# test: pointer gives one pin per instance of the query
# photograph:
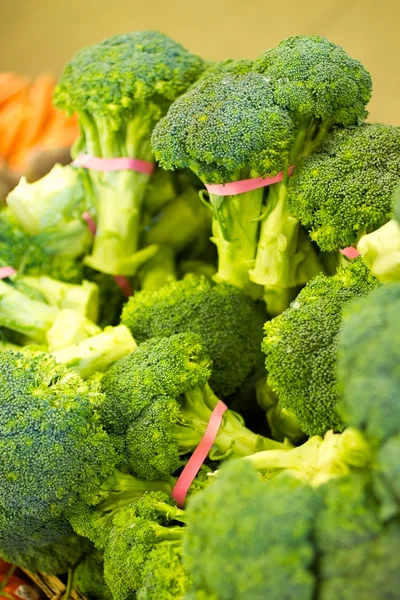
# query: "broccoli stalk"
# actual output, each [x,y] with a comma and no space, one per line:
[97,352]
[70,328]
[119,89]
[158,271]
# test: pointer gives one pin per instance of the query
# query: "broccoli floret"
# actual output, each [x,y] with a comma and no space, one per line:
[164,577]
[225,128]
[138,529]
[89,577]
[368,364]
[301,346]
[320,86]
[119,89]
[159,400]
[27,254]
[54,449]
[246,538]
[229,323]
[51,208]
[344,189]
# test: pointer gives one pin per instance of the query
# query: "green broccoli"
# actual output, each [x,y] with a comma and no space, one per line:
[27,254]
[158,399]
[228,127]
[51,210]
[344,190]
[319,85]
[164,577]
[368,364]
[229,323]
[69,328]
[54,449]
[119,89]
[158,271]
[89,577]
[138,530]
[380,250]
[246,538]
[301,345]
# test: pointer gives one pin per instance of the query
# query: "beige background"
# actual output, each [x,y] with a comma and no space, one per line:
[43,34]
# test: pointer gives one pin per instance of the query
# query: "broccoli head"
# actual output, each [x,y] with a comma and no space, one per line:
[89,577]
[229,323]
[119,89]
[54,449]
[368,364]
[301,346]
[345,188]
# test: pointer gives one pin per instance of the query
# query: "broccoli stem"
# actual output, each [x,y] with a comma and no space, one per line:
[278,299]
[70,328]
[235,233]
[276,261]
[159,270]
[171,534]
[233,438]
[97,352]
[20,313]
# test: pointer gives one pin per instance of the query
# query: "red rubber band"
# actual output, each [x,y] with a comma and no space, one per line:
[121,163]
[199,455]
[121,281]
[232,188]
[350,252]
[7,272]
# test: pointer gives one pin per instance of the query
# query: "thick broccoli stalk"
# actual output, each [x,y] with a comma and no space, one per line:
[55,451]
[51,209]
[159,270]
[119,89]
[344,190]
[158,401]
[98,352]
[226,128]
[70,328]
[301,346]
[302,69]
[229,323]
[20,313]
[138,530]
[83,298]
[380,249]
[30,255]
[368,364]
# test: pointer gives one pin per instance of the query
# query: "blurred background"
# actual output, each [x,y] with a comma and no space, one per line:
[43,34]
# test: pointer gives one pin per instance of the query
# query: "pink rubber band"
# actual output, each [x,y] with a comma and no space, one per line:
[7,272]
[232,188]
[121,281]
[350,252]
[199,455]
[121,163]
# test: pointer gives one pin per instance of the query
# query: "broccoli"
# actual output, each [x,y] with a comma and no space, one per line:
[246,538]
[159,401]
[344,189]
[380,249]
[228,127]
[53,447]
[138,530]
[159,270]
[119,89]
[50,209]
[320,86]
[89,577]
[229,323]
[301,345]
[368,364]
[69,328]
[28,255]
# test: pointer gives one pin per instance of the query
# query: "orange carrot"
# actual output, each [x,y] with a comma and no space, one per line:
[10,87]
[11,120]
[39,109]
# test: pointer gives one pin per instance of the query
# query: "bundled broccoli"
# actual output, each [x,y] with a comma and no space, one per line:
[119,89]
[301,345]
[159,401]
[229,323]
[344,189]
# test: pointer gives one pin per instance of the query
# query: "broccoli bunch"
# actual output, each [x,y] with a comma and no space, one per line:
[119,89]
[344,189]
[301,346]
[144,537]
[229,323]
[158,401]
